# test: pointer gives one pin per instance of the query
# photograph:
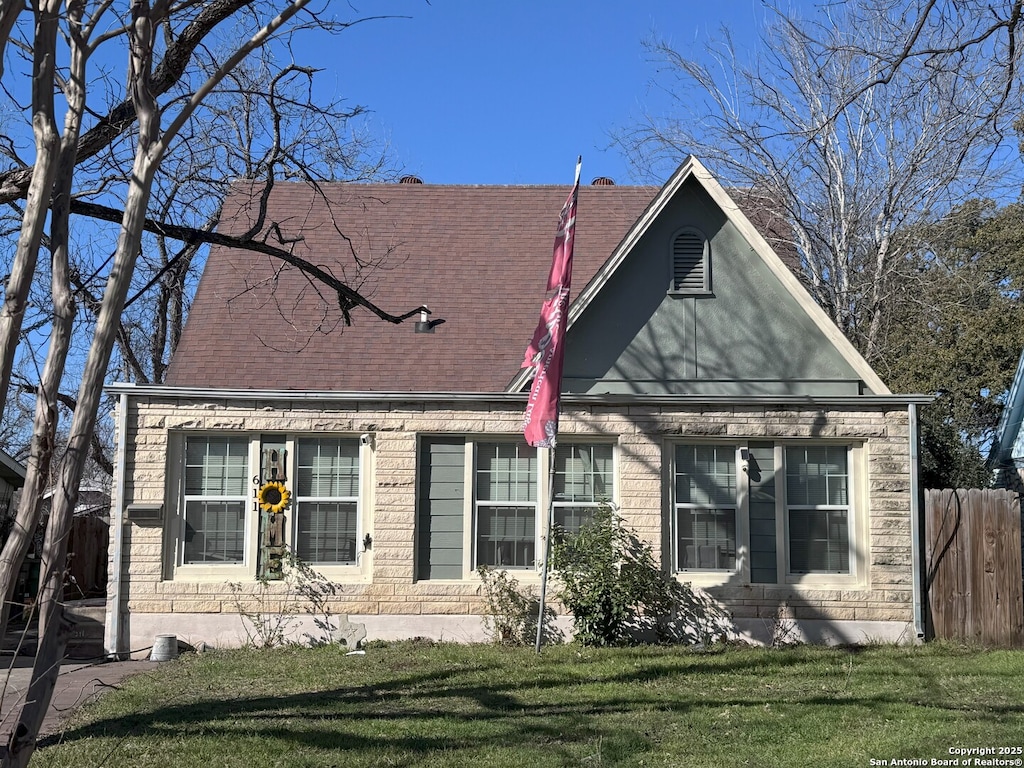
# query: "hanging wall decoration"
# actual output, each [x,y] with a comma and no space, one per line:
[274,497]
[271,498]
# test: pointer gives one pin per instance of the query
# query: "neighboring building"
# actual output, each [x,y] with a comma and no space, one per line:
[12,477]
[86,575]
[706,396]
[1006,458]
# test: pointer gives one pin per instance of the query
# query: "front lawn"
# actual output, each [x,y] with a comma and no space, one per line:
[417,704]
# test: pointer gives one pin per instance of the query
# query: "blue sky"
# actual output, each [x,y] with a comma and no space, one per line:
[510,92]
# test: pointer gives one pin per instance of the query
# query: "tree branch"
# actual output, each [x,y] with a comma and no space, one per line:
[348,298]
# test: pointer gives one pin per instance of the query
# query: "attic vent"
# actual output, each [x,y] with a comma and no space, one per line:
[602,181]
[690,263]
[410,180]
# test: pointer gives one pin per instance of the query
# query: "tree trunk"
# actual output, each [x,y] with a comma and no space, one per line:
[9,10]
[53,627]
[36,207]
[45,420]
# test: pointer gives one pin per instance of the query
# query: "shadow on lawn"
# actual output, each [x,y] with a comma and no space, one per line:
[507,711]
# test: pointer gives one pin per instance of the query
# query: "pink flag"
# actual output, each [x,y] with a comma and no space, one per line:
[547,350]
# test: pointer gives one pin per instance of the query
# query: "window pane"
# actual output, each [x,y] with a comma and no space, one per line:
[214,531]
[506,536]
[328,468]
[706,474]
[571,519]
[583,473]
[506,472]
[326,532]
[817,476]
[819,541]
[706,539]
[216,466]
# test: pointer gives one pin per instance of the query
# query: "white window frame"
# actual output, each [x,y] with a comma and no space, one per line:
[469,527]
[187,498]
[595,503]
[292,528]
[825,508]
[857,519]
[677,507]
[174,566]
[477,503]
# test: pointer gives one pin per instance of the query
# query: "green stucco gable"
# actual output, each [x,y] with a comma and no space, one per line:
[749,335]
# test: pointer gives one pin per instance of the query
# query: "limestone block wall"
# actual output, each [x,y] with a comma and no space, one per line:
[384,583]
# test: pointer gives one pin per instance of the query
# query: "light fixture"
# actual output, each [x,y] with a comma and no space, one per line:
[424,324]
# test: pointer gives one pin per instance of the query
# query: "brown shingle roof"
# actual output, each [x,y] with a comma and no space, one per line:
[477,256]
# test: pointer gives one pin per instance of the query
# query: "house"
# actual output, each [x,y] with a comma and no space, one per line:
[707,397]
[1006,456]
[86,575]
[12,477]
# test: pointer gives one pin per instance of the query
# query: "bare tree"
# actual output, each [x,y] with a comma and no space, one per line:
[942,36]
[843,147]
[164,91]
[268,126]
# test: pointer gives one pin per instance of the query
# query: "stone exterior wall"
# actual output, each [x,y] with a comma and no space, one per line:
[642,432]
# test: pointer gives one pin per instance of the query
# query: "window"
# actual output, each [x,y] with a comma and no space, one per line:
[705,505]
[327,495]
[216,478]
[768,512]
[818,509]
[506,505]
[220,523]
[690,263]
[583,479]
[485,502]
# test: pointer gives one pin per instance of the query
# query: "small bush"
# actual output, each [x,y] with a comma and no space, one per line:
[512,610]
[269,623]
[611,582]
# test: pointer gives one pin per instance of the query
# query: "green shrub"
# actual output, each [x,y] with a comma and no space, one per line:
[610,581]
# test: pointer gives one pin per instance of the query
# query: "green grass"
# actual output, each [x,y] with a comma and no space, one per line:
[412,704]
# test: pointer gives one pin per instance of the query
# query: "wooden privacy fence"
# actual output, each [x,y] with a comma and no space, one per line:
[87,564]
[973,574]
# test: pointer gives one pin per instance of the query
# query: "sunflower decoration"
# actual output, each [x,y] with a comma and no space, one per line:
[274,497]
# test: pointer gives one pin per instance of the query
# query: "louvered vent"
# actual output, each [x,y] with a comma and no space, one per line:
[688,263]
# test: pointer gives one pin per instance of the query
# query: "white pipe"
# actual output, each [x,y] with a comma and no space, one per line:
[112,625]
[915,520]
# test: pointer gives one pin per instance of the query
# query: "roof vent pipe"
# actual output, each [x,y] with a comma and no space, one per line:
[423,325]
[602,181]
[410,179]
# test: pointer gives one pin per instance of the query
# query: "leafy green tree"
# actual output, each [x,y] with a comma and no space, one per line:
[955,328]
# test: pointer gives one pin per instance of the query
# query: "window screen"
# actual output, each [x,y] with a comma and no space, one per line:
[506,505]
[327,493]
[583,479]
[818,509]
[705,507]
[216,474]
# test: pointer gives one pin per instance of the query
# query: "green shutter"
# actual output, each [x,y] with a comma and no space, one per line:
[761,472]
[441,513]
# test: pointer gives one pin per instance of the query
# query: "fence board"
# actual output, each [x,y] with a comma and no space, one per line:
[973,566]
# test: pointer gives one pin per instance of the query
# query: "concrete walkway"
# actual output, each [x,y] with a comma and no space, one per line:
[77,684]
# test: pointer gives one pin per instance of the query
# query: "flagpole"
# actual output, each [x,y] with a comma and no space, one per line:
[549,526]
[547,548]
